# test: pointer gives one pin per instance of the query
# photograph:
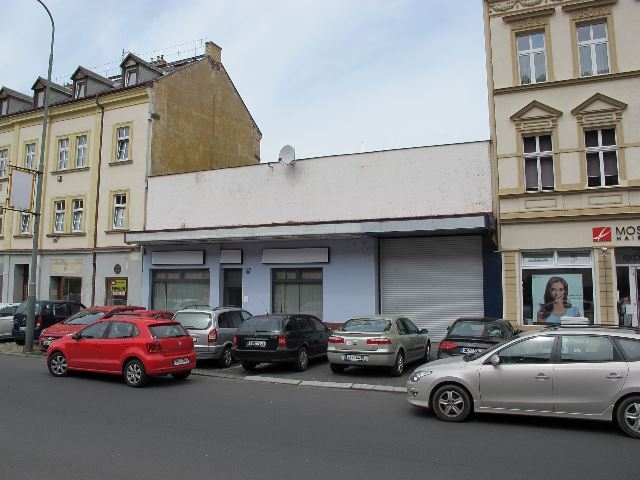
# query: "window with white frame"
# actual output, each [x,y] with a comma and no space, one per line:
[25,223]
[602,157]
[63,154]
[81,89]
[81,151]
[532,62]
[30,156]
[59,214]
[593,49]
[78,213]
[122,152]
[4,162]
[119,210]
[1,220]
[39,98]
[130,76]
[4,106]
[538,163]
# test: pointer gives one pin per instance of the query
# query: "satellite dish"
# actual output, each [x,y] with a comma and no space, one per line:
[287,155]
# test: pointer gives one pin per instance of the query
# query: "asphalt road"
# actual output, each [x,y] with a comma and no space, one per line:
[95,427]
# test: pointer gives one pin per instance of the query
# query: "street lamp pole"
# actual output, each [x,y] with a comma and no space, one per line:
[31,299]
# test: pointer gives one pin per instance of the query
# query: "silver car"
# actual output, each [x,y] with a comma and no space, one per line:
[571,372]
[6,319]
[212,330]
[378,340]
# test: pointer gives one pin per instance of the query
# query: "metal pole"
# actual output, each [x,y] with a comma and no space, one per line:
[31,299]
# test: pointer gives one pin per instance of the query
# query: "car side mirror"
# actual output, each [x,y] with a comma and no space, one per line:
[494,360]
[424,331]
[76,336]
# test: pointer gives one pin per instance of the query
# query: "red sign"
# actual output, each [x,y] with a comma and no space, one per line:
[601,234]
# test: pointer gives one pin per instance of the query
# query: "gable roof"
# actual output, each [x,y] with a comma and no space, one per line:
[88,73]
[15,94]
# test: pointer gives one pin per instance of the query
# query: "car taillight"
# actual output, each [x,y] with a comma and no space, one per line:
[235,341]
[447,345]
[213,336]
[154,347]
[378,341]
[282,341]
[38,322]
[333,339]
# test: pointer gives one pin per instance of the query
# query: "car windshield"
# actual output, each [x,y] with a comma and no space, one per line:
[22,308]
[194,320]
[8,310]
[372,325]
[84,317]
[167,330]
[477,328]
[261,324]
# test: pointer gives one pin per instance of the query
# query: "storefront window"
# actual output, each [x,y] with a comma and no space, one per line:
[297,291]
[175,289]
[556,285]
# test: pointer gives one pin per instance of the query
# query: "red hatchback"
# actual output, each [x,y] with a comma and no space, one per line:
[135,347]
[81,319]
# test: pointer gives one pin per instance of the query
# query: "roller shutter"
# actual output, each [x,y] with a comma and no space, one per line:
[432,280]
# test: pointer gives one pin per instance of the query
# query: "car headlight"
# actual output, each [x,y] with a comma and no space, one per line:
[418,375]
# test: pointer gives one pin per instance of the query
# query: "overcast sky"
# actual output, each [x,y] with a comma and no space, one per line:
[326,76]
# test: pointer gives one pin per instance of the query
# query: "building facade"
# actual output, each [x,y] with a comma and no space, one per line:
[406,231]
[105,136]
[564,77]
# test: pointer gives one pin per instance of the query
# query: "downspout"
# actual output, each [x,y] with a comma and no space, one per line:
[97,205]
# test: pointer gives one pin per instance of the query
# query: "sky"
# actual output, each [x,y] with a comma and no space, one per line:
[328,77]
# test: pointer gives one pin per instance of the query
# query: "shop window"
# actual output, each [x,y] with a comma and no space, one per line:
[175,289]
[65,288]
[556,285]
[117,291]
[297,291]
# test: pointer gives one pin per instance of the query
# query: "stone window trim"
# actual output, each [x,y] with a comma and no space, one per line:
[5,160]
[119,210]
[115,144]
[69,202]
[589,13]
[72,153]
[26,153]
[529,23]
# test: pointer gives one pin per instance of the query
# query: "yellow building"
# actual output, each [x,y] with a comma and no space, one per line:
[105,137]
[564,77]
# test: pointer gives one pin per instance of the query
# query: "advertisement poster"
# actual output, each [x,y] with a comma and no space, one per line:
[555,296]
[119,287]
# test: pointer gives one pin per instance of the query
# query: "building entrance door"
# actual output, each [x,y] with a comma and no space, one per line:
[631,311]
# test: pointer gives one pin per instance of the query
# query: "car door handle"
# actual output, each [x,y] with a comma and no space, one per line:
[542,376]
[614,376]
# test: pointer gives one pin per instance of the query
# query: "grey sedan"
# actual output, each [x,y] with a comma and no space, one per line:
[378,340]
[6,319]
[570,372]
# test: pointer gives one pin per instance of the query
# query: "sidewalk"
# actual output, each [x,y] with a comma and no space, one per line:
[317,375]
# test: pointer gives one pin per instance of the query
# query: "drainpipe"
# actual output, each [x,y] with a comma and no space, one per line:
[97,205]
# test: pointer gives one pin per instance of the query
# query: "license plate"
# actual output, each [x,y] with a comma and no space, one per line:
[256,343]
[46,343]
[195,339]
[23,329]
[470,350]
[181,361]
[355,358]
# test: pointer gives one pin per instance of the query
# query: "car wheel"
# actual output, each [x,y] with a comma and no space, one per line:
[628,416]
[57,364]
[337,368]
[225,359]
[181,375]
[451,403]
[249,366]
[134,373]
[302,360]
[427,354]
[398,365]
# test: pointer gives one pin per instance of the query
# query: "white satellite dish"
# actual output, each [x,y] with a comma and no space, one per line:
[287,155]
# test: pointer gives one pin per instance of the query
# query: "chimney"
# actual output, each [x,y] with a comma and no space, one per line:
[159,62]
[213,51]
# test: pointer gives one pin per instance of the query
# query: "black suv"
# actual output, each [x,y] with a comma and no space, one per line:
[47,313]
[291,338]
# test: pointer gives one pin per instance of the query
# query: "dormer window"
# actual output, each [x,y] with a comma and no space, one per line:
[4,106]
[39,98]
[80,90]
[130,76]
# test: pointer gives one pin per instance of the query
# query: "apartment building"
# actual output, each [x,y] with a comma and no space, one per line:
[564,77]
[105,137]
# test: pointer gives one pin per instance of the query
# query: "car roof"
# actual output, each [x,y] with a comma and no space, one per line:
[141,320]
[207,308]
[378,317]
[591,330]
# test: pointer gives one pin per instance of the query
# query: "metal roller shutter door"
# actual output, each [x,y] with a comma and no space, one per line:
[432,280]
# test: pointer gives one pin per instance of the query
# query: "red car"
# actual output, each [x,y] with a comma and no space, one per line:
[81,319]
[135,347]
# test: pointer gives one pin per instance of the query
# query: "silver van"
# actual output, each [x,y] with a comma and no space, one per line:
[212,330]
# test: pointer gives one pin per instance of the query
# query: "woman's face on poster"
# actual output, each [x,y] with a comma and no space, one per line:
[557,291]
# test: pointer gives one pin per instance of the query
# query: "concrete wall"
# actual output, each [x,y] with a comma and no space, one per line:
[415,182]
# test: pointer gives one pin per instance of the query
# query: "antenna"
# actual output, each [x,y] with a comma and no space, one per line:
[287,155]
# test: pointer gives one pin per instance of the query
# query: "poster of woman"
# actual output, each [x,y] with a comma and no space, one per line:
[557,296]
